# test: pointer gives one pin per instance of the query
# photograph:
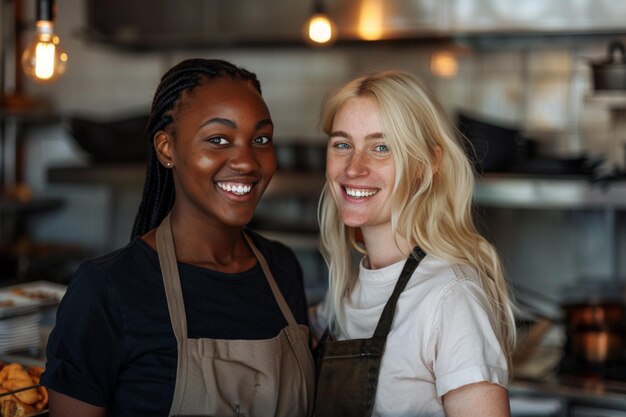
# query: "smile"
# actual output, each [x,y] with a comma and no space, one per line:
[360,193]
[235,188]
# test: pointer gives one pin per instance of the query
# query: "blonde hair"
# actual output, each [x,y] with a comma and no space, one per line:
[432,211]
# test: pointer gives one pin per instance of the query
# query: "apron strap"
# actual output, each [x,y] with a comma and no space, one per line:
[171,279]
[173,290]
[284,307]
[384,324]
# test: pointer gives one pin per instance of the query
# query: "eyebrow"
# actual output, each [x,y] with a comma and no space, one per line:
[263,123]
[233,125]
[221,121]
[342,134]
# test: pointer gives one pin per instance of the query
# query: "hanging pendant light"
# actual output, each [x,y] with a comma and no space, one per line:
[319,28]
[44,60]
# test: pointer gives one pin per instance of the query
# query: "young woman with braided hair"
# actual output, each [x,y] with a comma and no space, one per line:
[196,315]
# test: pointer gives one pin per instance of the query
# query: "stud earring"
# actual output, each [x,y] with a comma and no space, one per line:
[168,164]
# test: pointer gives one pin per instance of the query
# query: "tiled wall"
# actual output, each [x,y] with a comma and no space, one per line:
[541,85]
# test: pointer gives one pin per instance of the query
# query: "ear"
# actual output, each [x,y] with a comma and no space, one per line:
[437,152]
[162,142]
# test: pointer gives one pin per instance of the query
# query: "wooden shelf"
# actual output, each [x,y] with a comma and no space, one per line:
[122,175]
[8,206]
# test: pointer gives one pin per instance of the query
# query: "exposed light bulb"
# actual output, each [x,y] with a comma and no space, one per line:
[44,60]
[444,64]
[320,29]
[371,20]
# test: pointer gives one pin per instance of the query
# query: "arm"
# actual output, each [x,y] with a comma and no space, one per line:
[482,399]
[63,406]
[84,348]
[470,365]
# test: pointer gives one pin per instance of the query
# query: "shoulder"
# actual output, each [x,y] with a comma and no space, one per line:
[135,252]
[443,279]
[279,256]
[443,293]
[133,260]
[107,273]
[455,299]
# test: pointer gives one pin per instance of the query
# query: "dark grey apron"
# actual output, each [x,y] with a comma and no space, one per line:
[348,369]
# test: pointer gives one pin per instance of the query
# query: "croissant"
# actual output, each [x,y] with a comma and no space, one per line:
[24,403]
[14,408]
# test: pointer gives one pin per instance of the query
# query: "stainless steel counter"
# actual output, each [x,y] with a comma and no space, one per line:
[568,397]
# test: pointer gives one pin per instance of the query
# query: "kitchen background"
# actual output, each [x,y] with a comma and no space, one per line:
[523,65]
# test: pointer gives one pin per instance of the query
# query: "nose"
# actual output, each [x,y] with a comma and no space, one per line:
[357,164]
[244,160]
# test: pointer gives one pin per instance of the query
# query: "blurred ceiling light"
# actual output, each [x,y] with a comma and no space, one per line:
[319,28]
[44,60]
[444,64]
[371,20]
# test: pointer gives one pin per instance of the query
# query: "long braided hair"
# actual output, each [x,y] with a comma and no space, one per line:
[158,191]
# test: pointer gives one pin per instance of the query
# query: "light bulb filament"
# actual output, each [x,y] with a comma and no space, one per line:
[44,60]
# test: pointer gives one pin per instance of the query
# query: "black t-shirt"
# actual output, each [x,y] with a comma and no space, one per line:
[113,345]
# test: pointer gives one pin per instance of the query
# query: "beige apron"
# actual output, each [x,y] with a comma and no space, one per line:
[246,378]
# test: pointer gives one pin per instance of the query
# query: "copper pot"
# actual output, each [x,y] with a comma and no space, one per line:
[596,346]
[595,331]
[603,314]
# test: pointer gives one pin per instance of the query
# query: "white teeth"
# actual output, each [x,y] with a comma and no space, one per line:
[239,189]
[352,192]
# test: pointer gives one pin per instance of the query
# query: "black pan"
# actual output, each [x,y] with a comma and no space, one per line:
[110,141]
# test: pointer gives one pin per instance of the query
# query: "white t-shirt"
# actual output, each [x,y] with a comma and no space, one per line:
[441,337]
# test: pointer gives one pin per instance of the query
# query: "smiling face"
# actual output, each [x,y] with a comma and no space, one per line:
[360,168]
[221,151]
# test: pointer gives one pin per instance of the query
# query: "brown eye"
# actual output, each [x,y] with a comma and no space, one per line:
[218,140]
[261,140]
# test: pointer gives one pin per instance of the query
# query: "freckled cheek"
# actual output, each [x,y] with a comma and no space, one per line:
[334,168]
[333,175]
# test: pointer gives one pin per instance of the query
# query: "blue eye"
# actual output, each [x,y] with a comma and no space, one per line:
[261,140]
[218,140]
[341,145]
[381,148]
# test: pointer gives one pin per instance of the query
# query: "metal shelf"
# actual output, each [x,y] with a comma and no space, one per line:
[495,190]
[549,192]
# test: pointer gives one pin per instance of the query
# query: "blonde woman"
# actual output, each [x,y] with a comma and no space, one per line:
[423,324]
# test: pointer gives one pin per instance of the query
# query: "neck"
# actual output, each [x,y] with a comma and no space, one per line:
[382,249]
[205,245]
